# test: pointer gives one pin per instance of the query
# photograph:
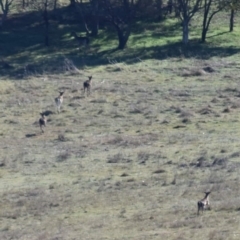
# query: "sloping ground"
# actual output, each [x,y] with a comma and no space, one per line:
[23,51]
[128,162]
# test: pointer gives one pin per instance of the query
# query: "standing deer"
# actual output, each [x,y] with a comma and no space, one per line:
[42,121]
[202,204]
[87,85]
[59,100]
[82,41]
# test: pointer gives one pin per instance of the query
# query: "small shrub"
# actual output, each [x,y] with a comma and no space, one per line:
[63,156]
[209,69]
[159,171]
[186,120]
[135,110]
[61,137]
[115,158]
[235,155]
[114,140]
[226,110]
[222,161]
[206,110]
[193,72]
[11,121]
[174,181]
[100,100]
[118,158]
[124,175]
[143,156]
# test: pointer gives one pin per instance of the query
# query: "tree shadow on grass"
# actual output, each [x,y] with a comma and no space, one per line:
[218,34]
[193,50]
[28,55]
[172,50]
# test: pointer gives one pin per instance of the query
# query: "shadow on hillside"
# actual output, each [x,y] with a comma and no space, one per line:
[193,50]
[62,55]
[172,50]
[129,56]
[218,34]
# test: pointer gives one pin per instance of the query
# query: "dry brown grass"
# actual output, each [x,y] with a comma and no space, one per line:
[128,162]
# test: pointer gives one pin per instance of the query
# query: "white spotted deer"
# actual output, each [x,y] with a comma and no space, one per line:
[42,122]
[59,101]
[202,204]
[87,85]
[82,41]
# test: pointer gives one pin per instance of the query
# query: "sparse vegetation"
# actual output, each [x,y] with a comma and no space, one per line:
[131,160]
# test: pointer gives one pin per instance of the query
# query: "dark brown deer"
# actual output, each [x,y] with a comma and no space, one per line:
[82,41]
[59,100]
[87,85]
[42,121]
[202,204]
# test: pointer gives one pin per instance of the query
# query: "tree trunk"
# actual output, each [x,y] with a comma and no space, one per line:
[170,6]
[231,20]
[55,5]
[72,3]
[5,10]
[95,26]
[95,18]
[122,38]
[208,18]
[185,31]
[204,25]
[4,18]
[204,34]
[46,36]
[176,9]
[159,8]
[46,22]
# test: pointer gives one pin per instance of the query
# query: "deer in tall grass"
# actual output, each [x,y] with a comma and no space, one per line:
[82,41]
[59,100]
[202,204]
[42,121]
[87,85]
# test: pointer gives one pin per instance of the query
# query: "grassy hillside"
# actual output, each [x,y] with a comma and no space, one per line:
[22,43]
[131,160]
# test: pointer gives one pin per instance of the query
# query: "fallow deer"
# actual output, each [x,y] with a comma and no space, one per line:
[59,100]
[42,121]
[202,204]
[82,41]
[87,85]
